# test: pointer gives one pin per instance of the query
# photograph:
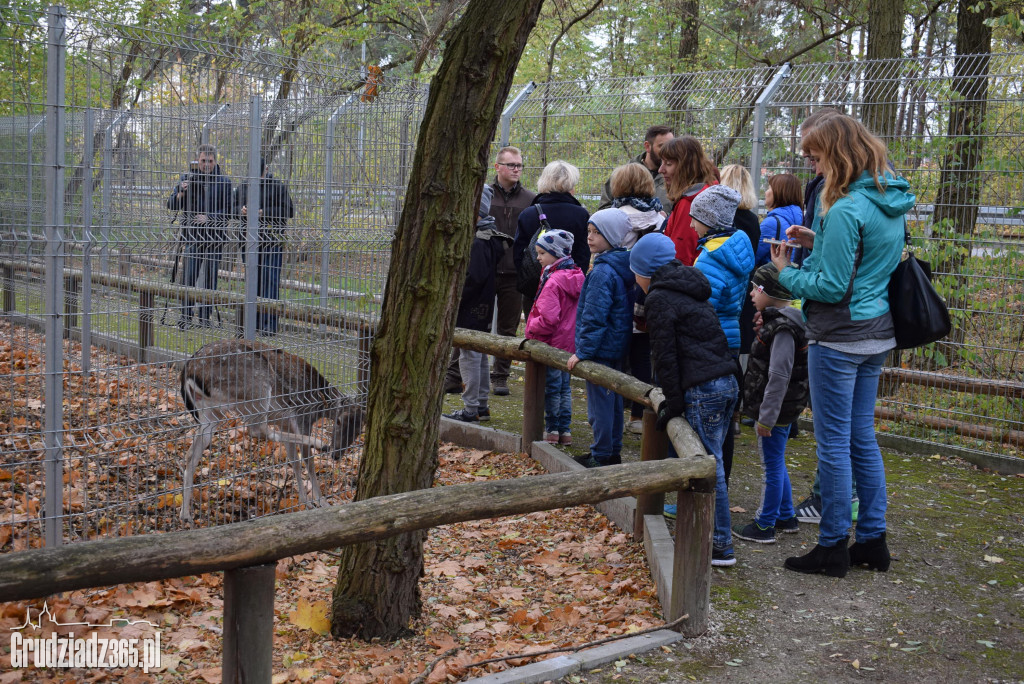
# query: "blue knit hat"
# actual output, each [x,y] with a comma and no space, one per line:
[650,253]
[558,243]
[613,224]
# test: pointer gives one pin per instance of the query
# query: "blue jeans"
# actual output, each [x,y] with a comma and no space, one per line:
[709,409]
[776,494]
[604,413]
[268,282]
[843,391]
[557,401]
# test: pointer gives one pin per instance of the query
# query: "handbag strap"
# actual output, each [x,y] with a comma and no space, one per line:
[778,227]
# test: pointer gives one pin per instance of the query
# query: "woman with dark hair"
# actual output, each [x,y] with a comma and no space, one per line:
[844,287]
[687,172]
[783,198]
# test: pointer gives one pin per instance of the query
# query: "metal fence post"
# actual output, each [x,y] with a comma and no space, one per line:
[510,110]
[108,163]
[757,139]
[53,415]
[86,284]
[328,210]
[252,225]
[29,220]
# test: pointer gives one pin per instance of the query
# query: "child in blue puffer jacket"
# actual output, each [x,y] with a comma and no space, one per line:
[604,324]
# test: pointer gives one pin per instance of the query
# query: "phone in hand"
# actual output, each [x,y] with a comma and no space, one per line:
[785,243]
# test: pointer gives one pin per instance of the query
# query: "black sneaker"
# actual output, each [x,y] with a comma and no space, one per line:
[500,388]
[722,558]
[755,533]
[587,461]
[809,510]
[464,415]
[483,413]
[789,525]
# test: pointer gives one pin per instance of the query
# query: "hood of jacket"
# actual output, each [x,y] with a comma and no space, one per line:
[895,201]
[793,314]
[555,198]
[730,251]
[685,279]
[618,259]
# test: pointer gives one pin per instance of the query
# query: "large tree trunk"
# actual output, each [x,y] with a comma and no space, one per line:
[956,201]
[377,594]
[688,12]
[881,87]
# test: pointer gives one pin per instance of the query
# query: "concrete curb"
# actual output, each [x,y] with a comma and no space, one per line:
[478,436]
[555,668]
[660,551]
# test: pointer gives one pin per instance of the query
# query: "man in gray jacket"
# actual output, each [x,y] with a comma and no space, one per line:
[654,140]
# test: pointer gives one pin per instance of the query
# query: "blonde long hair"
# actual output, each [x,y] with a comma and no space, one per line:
[846,149]
[738,178]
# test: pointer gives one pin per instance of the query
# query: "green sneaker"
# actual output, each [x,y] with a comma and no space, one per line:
[854,506]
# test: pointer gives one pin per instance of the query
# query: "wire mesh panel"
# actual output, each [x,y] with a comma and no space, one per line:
[211,195]
[954,128]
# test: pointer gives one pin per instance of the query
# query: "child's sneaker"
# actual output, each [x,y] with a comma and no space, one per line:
[565,438]
[463,415]
[809,510]
[789,525]
[483,413]
[722,557]
[670,511]
[854,509]
[551,437]
[755,533]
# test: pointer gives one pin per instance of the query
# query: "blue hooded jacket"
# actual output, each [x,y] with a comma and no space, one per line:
[727,260]
[789,215]
[845,281]
[604,318]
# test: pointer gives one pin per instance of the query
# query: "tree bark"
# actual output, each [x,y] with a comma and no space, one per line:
[881,87]
[377,594]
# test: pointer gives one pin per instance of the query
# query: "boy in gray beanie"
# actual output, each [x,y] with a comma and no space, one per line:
[604,325]
[715,208]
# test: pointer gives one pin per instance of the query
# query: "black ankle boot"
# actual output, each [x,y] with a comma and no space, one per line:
[833,561]
[874,553]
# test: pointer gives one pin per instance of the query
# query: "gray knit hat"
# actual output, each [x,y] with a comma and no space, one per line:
[558,243]
[715,207]
[613,224]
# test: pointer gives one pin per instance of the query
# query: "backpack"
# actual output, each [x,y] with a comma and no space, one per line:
[528,275]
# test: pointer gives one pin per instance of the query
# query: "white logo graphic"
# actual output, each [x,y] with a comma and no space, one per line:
[57,651]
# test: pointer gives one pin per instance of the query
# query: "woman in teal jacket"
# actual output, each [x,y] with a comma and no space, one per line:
[844,288]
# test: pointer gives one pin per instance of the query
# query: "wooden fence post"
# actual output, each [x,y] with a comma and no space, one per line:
[691,567]
[533,403]
[71,304]
[653,447]
[248,625]
[147,334]
[8,285]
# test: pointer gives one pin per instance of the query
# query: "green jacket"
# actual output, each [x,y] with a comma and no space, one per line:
[844,282]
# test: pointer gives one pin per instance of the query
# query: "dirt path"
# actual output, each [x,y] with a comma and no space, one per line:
[951,607]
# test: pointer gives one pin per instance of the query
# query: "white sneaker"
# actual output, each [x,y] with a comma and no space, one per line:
[636,427]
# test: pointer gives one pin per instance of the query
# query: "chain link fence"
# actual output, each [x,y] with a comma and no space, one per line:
[98,131]
[955,129]
[102,269]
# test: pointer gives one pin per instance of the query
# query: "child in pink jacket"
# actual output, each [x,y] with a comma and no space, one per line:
[553,320]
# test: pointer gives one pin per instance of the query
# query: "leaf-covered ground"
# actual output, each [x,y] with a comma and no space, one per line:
[950,609]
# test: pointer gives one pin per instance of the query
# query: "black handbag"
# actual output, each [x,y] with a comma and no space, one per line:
[919,314]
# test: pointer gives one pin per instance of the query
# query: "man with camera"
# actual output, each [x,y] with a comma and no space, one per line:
[275,209]
[204,198]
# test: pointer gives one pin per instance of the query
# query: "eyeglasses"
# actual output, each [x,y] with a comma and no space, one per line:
[511,167]
[810,158]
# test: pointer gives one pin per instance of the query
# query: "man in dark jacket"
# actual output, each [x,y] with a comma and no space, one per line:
[203,196]
[476,308]
[508,200]
[654,140]
[275,209]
